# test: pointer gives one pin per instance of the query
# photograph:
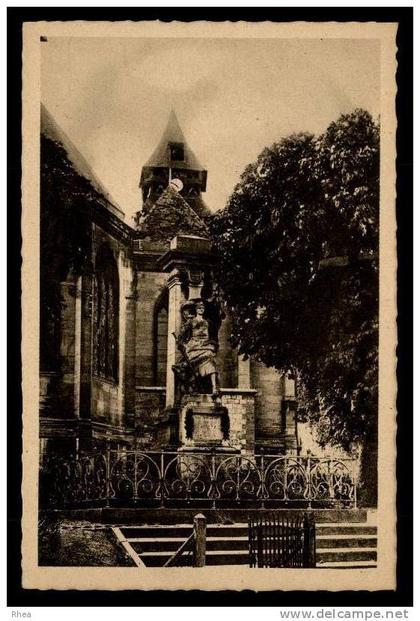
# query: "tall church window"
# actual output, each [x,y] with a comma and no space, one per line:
[105,316]
[160,339]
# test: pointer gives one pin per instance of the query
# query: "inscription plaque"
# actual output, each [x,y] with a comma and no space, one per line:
[207,428]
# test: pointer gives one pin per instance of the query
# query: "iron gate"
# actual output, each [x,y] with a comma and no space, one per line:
[277,540]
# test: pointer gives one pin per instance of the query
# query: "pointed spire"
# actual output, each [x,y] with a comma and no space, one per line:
[173,148]
[172,159]
[173,130]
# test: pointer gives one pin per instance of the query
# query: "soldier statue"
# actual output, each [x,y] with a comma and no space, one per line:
[198,342]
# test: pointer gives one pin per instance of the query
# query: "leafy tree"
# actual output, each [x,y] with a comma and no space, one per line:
[298,243]
[66,201]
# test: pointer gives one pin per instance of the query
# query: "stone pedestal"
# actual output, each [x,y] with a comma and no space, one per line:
[207,427]
[203,423]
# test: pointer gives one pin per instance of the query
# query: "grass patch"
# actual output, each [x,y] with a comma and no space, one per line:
[66,543]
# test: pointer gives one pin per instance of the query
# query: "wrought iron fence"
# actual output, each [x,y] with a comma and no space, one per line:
[195,479]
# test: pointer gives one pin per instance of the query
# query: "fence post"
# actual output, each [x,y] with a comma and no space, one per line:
[285,460]
[108,476]
[200,540]
[162,479]
[331,482]
[262,472]
[260,549]
[309,551]
[309,481]
[355,482]
[213,481]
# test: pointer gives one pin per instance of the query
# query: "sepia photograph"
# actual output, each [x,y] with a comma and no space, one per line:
[209,315]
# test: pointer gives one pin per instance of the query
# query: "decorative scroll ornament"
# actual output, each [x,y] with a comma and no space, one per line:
[160,478]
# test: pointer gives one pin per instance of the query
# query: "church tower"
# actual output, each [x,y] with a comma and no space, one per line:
[173,159]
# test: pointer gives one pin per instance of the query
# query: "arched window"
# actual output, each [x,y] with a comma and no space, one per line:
[160,339]
[105,315]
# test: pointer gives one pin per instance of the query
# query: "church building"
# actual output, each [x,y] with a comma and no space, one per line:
[133,323]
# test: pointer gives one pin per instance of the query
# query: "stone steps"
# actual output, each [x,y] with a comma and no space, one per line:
[345,529]
[338,545]
[184,530]
[346,541]
[347,565]
[326,555]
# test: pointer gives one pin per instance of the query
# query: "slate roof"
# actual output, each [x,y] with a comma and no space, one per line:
[50,129]
[199,206]
[171,215]
[160,156]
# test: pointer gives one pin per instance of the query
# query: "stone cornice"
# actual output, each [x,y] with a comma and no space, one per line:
[72,427]
[113,225]
[177,258]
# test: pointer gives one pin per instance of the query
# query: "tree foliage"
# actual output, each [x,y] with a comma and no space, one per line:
[298,244]
[66,200]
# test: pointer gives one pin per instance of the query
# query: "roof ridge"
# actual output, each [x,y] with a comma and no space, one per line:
[186,218]
[171,192]
[52,130]
[181,200]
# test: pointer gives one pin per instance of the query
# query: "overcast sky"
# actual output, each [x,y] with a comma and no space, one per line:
[232,97]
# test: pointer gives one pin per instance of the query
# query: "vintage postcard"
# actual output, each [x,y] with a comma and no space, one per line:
[209,305]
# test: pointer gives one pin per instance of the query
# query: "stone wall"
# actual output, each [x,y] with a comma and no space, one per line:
[267,402]
[241,407]
[227,357]
[275,410]
[66,405]
[150,405]
[150,285]
[105,401]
